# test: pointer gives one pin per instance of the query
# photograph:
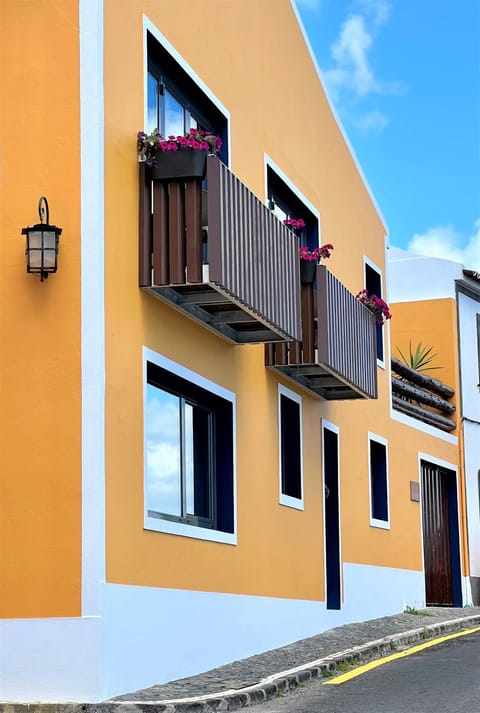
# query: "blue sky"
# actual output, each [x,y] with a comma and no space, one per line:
[404,76]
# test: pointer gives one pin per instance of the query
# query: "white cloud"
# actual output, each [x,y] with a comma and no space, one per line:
[377,10]
[374,120]
[350,53]
[352,76]
[445,242]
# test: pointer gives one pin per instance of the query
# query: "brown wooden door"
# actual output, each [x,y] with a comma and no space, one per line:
[436,536]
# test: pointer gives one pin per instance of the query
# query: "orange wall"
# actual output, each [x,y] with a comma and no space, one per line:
[40,495]
[434,324]
[278,107]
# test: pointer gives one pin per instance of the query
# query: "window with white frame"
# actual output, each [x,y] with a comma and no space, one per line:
[378,467]
[175,102]
[189,458]
[373,284]
[290,448]
[286,204]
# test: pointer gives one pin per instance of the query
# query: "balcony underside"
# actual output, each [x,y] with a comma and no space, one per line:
[336,359]
[317,378]
[219,312]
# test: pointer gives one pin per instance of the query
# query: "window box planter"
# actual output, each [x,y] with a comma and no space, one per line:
[308,270]
[184,163]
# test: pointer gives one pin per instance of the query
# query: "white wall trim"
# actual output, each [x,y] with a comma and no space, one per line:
[159,524]
[337,118]
[92,304]
[329,426]
[374,522]
[149,26]
[141,637]
[288,500]
[420,426]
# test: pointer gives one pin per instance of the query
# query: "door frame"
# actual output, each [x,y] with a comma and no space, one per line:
[433,460]
[328,426]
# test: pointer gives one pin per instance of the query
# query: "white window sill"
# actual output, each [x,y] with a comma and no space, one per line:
[184,530]
[382,524]
[290,502]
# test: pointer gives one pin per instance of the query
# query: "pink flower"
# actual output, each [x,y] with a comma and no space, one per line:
[182,140]
[204,146]
[164,145]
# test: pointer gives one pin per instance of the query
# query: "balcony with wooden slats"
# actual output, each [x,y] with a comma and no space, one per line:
[336,357]
[215,252]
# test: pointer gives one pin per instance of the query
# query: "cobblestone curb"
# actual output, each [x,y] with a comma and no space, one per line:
[277,684]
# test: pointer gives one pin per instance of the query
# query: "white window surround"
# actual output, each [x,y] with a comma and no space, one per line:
[180,528]
[270,163]
[288,500]
[382,524]
[386,347]
[148,26]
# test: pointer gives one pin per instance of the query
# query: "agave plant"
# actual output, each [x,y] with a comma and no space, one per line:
[420,358]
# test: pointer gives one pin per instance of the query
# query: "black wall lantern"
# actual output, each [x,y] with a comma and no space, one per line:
[42,244]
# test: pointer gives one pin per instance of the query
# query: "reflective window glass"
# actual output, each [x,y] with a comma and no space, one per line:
[163,452]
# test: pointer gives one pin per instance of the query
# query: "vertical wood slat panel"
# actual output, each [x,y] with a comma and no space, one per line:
[251,254]
[346,336]
[176,230]
[160,234]
[193,226]
[144,228]
[308,325]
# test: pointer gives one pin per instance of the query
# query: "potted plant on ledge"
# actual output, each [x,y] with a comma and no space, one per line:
[309,259]
[376,305]
[177,157]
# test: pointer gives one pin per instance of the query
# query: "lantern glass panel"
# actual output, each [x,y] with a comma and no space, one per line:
[49,249]
[34,249]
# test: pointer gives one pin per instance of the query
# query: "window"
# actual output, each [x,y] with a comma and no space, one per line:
[290,436]
[286,203]
[379,516]
[175,101]
[373,283]
[478,347]
[189,463]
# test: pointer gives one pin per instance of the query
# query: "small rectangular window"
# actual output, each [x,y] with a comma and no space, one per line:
[373,284]
[290,435]
[379,515]
[286,204]
[189,460]
[478,347]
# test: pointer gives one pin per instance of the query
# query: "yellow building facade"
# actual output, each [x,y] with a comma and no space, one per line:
[172,480]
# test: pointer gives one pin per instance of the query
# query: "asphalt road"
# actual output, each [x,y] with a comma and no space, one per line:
[442,679]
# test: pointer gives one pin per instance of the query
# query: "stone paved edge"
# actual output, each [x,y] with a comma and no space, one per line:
[275,685]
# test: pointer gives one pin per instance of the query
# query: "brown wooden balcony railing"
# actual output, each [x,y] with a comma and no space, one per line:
[220,256]
[336,358]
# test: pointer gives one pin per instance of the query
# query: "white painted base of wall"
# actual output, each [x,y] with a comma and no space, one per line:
[50,659]
[150,635]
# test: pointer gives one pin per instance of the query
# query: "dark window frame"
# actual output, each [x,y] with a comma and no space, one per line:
[281,195]
[373,284]
[170,75]
[378,482]
[220,478]
[290,435]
